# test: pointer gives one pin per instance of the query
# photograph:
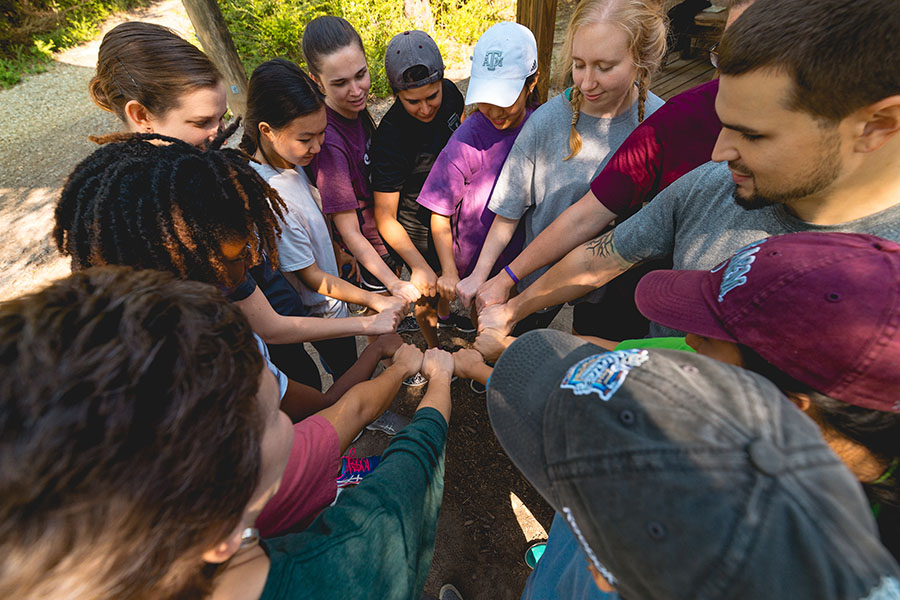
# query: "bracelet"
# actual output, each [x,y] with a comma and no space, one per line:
[511,274]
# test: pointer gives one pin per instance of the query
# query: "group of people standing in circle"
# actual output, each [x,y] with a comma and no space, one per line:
[175,351]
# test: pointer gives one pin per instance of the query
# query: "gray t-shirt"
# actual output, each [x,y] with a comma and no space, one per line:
[697,221]
[537,184]
[304,236]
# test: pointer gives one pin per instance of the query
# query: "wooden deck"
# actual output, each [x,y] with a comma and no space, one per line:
[682,74]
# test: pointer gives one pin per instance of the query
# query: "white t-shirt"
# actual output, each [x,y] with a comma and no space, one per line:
[304,236]
[279,375]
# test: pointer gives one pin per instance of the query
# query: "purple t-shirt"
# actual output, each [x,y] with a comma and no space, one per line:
[342,171]
[460,186]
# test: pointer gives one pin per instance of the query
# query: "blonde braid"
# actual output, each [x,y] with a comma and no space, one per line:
[574,136]
[643,82]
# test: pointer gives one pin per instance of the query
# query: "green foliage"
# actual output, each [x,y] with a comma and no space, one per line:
[31,30]
[265,29]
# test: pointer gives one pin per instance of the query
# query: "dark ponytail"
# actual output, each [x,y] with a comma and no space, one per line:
[279,92]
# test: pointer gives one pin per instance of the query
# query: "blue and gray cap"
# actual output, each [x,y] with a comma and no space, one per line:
[684,477]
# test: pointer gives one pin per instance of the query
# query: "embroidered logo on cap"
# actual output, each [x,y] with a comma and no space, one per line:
[738,267]
[493,60]
[603,374]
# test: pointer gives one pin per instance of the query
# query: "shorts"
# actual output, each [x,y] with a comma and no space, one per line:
[369,282]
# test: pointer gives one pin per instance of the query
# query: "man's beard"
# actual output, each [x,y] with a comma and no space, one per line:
[822,175]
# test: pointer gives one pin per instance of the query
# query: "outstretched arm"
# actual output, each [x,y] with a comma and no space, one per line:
[314,278]
[582,270]
[443,244]
[576,225]
[274,328]
[502,230]
[395,235]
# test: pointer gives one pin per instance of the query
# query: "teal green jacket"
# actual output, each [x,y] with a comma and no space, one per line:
[377,541]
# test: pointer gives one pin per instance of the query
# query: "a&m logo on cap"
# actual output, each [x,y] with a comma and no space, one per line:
[602,374]
[737,268]
[493,60]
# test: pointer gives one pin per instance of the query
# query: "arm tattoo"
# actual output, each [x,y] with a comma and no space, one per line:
[602,246]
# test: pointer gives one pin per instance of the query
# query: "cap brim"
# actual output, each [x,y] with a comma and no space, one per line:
[522,382]
[499,92]
[681,300]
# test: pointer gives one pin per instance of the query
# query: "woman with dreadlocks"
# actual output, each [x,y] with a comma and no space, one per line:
[153,202]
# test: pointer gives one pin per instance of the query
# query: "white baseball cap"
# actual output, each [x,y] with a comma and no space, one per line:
[505,56]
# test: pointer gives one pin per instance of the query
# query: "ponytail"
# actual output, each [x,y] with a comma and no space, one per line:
[574,136]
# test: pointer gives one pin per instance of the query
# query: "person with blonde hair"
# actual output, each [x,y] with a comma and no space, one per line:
[611,50]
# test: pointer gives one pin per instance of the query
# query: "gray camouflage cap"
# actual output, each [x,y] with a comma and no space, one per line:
[683,477]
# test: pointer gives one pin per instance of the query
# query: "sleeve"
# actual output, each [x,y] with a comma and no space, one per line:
[242,291]
[686,125]
[446,183]
[394,509]
[632,174]
[650,233]
[514,191]
[295,249]
[333,180]
[309,481]
[390,166]
[279,375]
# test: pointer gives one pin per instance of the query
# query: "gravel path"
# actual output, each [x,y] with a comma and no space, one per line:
[44,125]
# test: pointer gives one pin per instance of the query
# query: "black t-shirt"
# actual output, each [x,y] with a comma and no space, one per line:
[404,149]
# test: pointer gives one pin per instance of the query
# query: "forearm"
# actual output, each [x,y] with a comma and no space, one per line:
[443,243]
[576,225]
[301,401]
[371,397]
[361,370]
[397,238]
[438,395]
[481,373]
[331,286]
[501,232]
[274,328]
[582,270]
[360,247]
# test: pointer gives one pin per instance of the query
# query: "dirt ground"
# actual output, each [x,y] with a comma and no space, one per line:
[490,513]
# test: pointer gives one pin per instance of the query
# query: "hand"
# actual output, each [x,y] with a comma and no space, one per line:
[408,358]
[446,286]
[467,287]
[436,363]
[345,258]
[380,303]
[497,316]
[405,290]
[387,344]
[465,361]
[491,343]
[493,291]
[425,281]
[384,322]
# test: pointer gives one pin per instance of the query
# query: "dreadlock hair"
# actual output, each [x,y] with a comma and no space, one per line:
[153,202]
[326,35]
[644,21]
[279,92]
[878,431]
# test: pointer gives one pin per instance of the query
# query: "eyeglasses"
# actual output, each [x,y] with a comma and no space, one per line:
[714,55]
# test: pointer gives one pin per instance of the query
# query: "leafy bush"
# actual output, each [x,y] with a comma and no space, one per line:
[31,30]
[265,29]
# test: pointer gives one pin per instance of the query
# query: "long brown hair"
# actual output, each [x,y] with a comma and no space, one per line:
[645,23]
[150,64]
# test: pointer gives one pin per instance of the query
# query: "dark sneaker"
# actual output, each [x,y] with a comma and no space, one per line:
[449,592]
[354,469]
[389,422]
[458,322]
[477,387]
[417,380]
[407,324]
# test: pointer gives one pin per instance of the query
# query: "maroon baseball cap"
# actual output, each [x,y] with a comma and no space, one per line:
[822,307]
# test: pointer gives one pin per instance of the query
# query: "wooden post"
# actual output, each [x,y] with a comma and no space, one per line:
[210,26]
[540,17]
